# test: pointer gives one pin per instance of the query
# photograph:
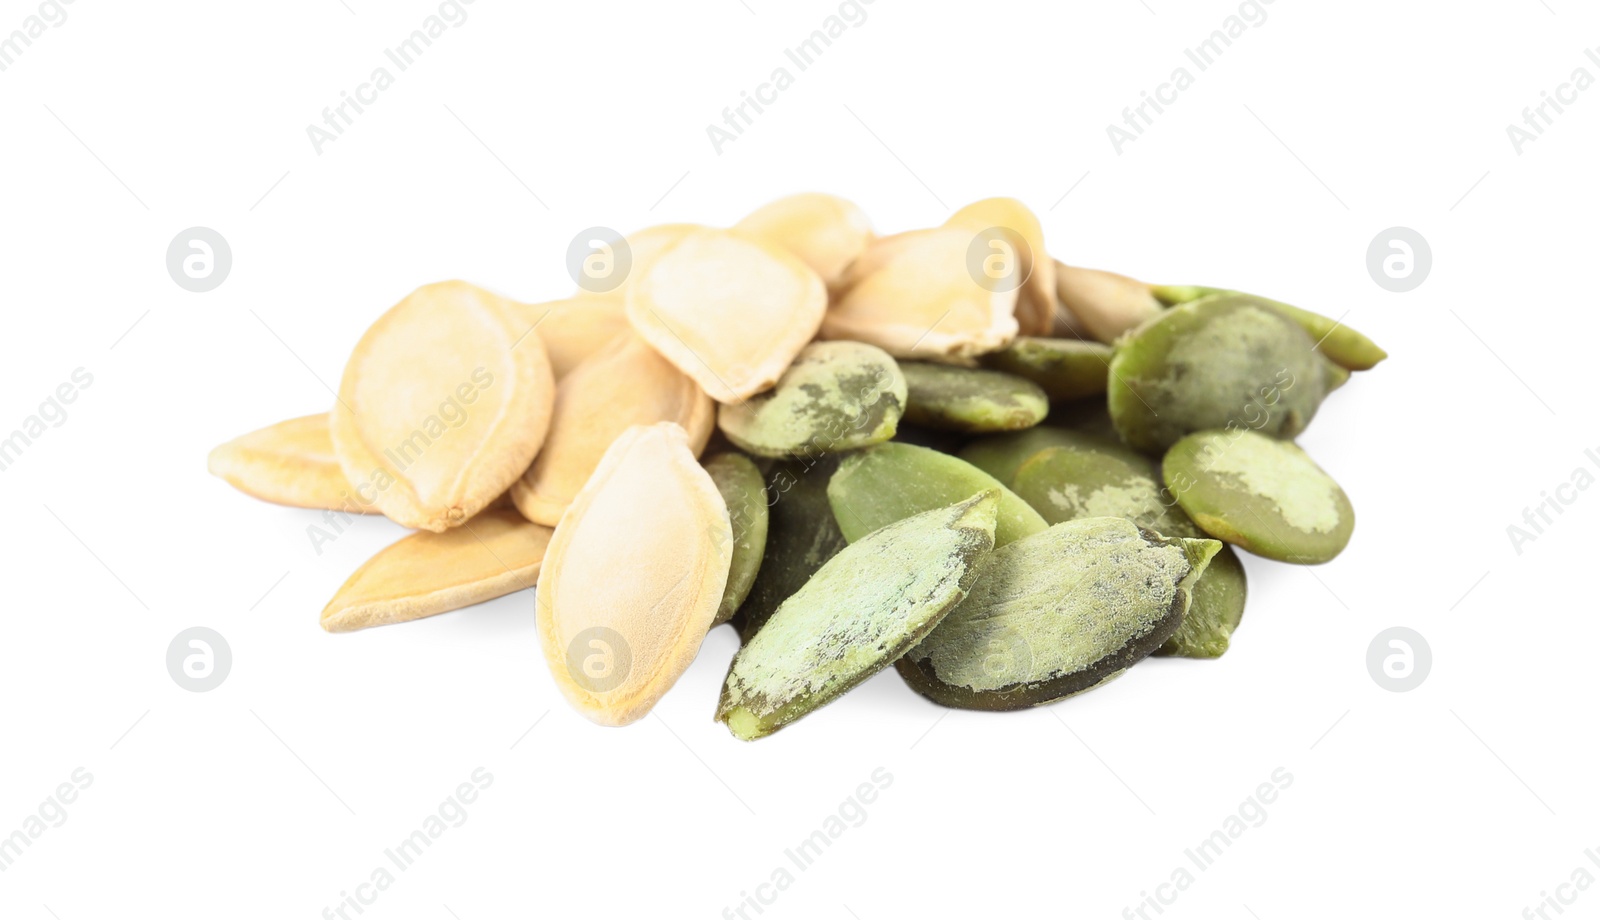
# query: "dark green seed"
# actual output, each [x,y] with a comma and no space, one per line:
[970,400]
[801,536]
[1063,368]
[745,495]
[890,482]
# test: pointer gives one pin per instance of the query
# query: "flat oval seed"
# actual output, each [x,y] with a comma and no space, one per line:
[1063,368]
[1057,613]
[968,400]
[746,497]
[644,246]
[1223,361]
[1341,344]
[1260,494]
[891,482]
[491,555]
[824,231]
[801,536]
[728,310]
[1104,303]
[1216,606]
[443,404]
[860,612]
[1002,455]
[635,573]
[624,384]
[571,330]
[1036,299]
[290,463]
[836,396]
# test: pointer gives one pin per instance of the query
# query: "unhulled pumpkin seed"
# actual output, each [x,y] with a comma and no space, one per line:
[801,536]
[634,575]
[290,463]
[836,396]
[1058,613]
[571,330]
[825,231]
[493,554]
[862,610]
[1036,299]
[443,404]
[1063,368]
[745,494]
[1260,494]
[1106,304]
[891,482]
[968,400]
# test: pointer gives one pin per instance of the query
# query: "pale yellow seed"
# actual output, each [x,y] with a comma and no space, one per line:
[827,232]
[1036,300]
[290,463]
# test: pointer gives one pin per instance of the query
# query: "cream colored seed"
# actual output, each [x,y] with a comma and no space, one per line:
[825,231]
[290,463]
[1036,300]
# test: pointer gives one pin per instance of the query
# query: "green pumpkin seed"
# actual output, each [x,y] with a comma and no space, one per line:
[890,482]
[1224,361]
[1063,368]
[1058,613]
[861,611]
[1260,494]
[1342,345]
[1001,455]
[1090,416]
[1216,606]
[966,399]
[836,396]
[801,536]
[745,495]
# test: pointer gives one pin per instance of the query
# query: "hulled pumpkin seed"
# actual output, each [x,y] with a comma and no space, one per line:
[891,482]
[1260,494]
[1090,416]
[1104,303]
[1063,368]
[443,404]
[969,400]
[1058,613]
[1001,455]
[1339,343]
[1226,360]
[863,609]
[493,554]
[290,463]
[836,396]
[1036,299]
[728,310]
[1216,605]
[801,536]
[825,231]
[634,575]
[626,383]
[745,494]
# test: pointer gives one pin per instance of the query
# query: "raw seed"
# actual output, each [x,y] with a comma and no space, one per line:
[1106,304]
[1063,368]
[634,575]
[825,231]
[967,400]
[624,384]
[1002,455]
[891,482]
[1216,606]
[1036,299]
[862,610]
[443,404]
[801,536]
[1058,613]
[1260,494]
[1339,343]
[571,330]
[1222,361]
[290,463]
[836,396]
[745,494]
[493,554]
[1090,416]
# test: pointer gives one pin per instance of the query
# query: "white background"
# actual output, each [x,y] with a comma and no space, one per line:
[272,794]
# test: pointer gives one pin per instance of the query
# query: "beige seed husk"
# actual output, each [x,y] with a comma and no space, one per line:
[919,301]
[290,463]
[444,403]
[573,329]
[1036,300]
[728,310]
[825,231]
[644,246]
[624,384]
[493,554]
[1104,304]
[634,575]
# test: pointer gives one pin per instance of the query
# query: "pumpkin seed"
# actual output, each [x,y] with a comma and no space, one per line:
[443,404]
[1226,360]
[825,231]
[836,396]
[1216,606]
[891,482]
[1104,303]
[801,536]
[626,383]
[1339,343]
[571,330]
[967,400]
[493,554]
[1036,299]
[728,310]
[745,494]
[290,463]
[1058,613]
[1089,416]
[1260,494]
[634,575]
[1001,455]
[862,610]
[1063,368]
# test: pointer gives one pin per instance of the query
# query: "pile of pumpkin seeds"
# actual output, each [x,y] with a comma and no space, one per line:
[942,450]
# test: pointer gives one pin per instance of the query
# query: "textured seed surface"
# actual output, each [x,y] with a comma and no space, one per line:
[634,575]
[1104,303]
[745,494]
[1001,455]
[1057,613]
[1036,299]
[728,310]
[1216,606]
[890,482]
[824,231]
[443,404]
[917,299]
[1063,368]
[836,396]
[1223,361]
[969,400]
[290,463]
[1260,494]
[493,554]
[571,330]
[801,536]
[862,610]
[1339,343]
[626,383]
